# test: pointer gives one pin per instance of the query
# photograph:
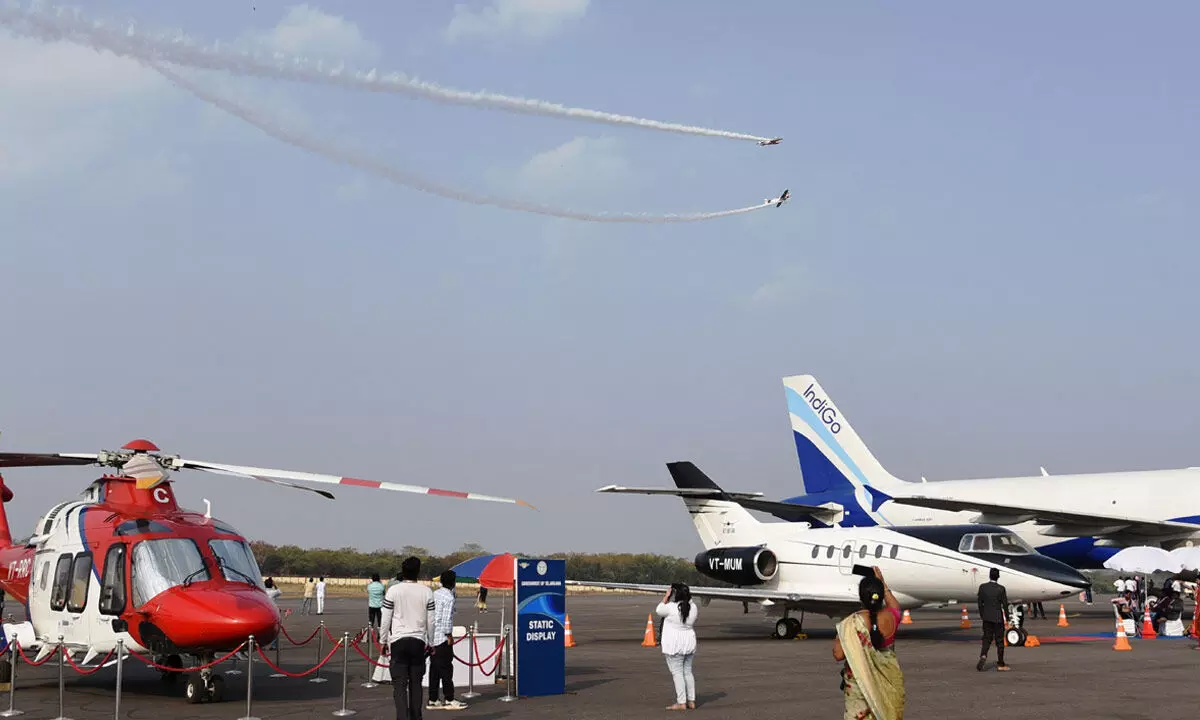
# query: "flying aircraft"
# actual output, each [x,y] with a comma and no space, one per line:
[125,562]
[786,567]
[772,141]
[778,200]
[1081,520]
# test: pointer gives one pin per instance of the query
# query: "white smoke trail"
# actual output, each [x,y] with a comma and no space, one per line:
[179,50]
[388,172]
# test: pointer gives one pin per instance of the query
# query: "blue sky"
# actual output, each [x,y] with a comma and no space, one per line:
[988,260]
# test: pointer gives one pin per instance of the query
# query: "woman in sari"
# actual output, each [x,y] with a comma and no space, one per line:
[871,677]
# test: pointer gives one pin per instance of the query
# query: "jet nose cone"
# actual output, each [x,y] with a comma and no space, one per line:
[1053,571]
[217,619]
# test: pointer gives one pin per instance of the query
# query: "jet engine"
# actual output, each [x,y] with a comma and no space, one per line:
[739,566]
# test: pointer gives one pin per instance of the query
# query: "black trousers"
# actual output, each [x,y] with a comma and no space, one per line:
[408,667]
[441,668]
[374,616]
[993,632]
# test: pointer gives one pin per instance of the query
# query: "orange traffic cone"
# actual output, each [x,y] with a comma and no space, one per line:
[907,619]
[570,640]
[1062,616]
[1147,626]
[648,639]
[966,621]
[1122,642]
[1032,641]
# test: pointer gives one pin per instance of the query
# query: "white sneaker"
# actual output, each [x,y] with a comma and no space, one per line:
[434,705]
[454,705]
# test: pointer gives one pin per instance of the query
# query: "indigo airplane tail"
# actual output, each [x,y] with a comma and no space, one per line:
[834,462]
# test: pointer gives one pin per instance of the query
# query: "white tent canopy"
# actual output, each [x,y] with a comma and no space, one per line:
[1146,559]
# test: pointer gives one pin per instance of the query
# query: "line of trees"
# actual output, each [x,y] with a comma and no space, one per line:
[291,560]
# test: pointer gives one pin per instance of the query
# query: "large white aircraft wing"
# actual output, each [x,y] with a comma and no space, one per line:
[1063,523]
[765,597]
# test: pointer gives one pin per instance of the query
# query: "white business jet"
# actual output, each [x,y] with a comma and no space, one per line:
[1081,520]
[786,567]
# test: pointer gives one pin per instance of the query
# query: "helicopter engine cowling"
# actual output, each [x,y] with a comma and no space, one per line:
[739,565]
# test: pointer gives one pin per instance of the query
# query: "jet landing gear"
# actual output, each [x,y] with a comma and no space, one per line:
[789,628]
[205,686]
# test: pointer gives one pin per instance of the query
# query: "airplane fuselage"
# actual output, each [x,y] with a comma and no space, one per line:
[1109,494]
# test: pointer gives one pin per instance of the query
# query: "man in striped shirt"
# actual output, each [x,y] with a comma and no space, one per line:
[407,630]
[441,667]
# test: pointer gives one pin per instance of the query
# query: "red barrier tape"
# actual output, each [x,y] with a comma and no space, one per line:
[310,671]
[164,668]
[94,670]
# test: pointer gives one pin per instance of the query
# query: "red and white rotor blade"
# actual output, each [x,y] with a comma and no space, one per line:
[46,459]
[272,475]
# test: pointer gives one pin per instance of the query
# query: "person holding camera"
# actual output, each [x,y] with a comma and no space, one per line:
[872,681]
[679,642]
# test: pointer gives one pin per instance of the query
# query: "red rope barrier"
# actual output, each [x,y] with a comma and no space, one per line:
[367,657]
[165,668]
[32,663]
[94,670]
[283,630]
[310,671]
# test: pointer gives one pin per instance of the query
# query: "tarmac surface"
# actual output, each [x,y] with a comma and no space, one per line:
[740,672]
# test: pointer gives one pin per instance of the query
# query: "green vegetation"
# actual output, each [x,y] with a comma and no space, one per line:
[290,560]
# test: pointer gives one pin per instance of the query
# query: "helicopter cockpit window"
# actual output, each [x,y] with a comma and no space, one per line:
[237,561]
[160,565]
[81,578]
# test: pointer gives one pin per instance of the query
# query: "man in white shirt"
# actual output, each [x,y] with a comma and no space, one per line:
[320,596]
[407,631]
[441,665]
[1119,585]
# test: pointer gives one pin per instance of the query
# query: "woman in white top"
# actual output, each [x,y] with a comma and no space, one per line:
[679,643]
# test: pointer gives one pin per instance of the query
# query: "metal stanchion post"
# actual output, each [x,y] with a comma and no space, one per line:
[14,653]
[345,677]
[62,682]
[120,667]
[370,683]
[470,693]
[249,681]
[278,664]
[320,655]
[506,653]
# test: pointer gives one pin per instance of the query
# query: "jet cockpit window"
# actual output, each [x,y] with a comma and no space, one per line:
[237,562]
[1007,544]
[160,565]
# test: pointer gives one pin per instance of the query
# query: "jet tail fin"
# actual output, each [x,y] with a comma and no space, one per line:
[831,454]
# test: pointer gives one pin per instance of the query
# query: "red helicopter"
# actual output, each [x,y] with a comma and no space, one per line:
[126,562]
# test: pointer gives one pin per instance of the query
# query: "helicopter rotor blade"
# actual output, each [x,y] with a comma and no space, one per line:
[15,460]
[273,481]
[262,473]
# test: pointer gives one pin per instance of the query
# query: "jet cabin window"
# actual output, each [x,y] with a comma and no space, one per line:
[160,565]
[112,586]
[237,562]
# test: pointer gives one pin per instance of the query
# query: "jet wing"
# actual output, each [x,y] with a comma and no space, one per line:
[755,595]
[1062,522]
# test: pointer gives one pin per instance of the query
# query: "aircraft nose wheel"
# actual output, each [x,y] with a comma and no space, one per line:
[1015,637]
[788,628]
[205,686]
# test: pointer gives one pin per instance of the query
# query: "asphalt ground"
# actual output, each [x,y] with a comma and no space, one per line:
[740,672]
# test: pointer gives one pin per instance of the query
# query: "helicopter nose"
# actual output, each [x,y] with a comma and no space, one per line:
[216,619]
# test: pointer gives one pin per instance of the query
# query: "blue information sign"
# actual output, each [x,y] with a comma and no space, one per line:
[540,641]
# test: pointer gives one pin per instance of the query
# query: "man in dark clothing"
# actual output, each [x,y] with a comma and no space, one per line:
[993,602]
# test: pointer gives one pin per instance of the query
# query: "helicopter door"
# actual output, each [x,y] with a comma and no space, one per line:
[113,591]
[68,597]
